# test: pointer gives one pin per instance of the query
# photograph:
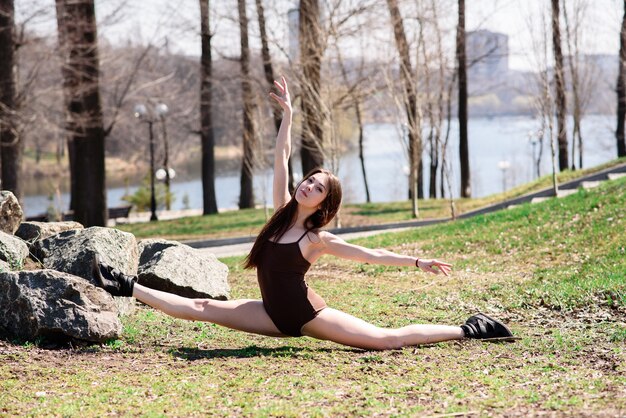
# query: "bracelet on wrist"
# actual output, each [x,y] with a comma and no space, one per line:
[417,262]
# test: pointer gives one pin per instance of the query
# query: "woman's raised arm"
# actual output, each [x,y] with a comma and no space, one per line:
[283,146]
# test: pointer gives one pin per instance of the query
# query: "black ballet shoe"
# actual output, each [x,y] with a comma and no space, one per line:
[111,279]
[484,327]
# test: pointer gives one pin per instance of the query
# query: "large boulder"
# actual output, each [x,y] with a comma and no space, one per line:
[73,252]
[35,231]
[177,268]
[13,250]
[11,213]
[147,248]
[57,306]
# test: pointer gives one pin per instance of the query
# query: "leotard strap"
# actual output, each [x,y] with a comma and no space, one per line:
[299,239]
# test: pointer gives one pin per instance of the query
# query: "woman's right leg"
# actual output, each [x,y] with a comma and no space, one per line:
[340,327]
[244,314]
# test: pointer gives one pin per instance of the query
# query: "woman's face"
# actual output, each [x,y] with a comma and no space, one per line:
[313,191]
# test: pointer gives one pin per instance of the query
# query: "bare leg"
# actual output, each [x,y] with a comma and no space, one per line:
[342,328]
[243,314]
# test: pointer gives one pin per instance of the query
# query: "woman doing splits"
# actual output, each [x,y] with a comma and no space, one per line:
[284,250]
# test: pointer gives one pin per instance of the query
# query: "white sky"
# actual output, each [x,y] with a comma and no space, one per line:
[177,21]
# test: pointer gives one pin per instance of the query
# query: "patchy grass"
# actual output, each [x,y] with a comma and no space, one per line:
[554,271]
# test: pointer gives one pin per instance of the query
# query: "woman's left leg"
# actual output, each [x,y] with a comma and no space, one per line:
[340,327]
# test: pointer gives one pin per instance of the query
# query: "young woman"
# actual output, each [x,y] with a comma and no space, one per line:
[283,252]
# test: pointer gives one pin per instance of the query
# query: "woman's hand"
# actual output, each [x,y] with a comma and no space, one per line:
[284,100]
[429,266]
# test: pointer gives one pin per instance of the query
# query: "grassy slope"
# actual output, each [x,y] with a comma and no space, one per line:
[554,271]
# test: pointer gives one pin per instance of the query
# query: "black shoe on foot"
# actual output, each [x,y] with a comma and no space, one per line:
[484,327]
[111,279]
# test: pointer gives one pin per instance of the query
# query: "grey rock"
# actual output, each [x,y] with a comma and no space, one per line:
[149,247]
[11,213]
[4,267]
[12,250]
[54,305]
[185,271]
[35,231]
[73,252]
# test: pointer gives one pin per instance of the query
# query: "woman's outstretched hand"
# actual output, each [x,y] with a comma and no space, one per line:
[284,100]
[429,266]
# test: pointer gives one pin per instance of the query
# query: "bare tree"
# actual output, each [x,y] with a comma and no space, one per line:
[344,22]
[561,102]
[620,136]
[84,126]
[466,190]
[206,119]
[581,78]
[411,106]
[10,144]
[246,196]
[268,70]
[311,52]
[544,100]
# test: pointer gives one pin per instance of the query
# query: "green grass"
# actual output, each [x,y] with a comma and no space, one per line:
[555,272]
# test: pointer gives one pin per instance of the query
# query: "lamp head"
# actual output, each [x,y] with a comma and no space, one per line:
[140,111]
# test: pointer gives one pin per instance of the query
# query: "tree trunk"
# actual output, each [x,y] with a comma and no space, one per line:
[268,69]
[246,195]
[11,146]
[311,51]
[84,125]
[408,79]
[561,104]
[69,140]
[359,120]
[206,120]
[466,190]
[433,136]
[621,91]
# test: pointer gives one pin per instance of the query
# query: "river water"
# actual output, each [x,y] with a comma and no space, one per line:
[500,158]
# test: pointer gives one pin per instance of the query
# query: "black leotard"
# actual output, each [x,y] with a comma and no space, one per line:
[288,300]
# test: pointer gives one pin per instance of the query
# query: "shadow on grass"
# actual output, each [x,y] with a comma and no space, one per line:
[192,354]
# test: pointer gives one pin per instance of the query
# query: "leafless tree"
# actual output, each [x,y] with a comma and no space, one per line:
[11,146]
[206,120]
[466,190]
[561,101]
[268,70]
[408,77]
[620,135]
[544,99]
[246,196]
[312,45]
[84,125]
[582,78]
[345,22]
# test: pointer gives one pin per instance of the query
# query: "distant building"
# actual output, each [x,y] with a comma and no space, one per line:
[487,54]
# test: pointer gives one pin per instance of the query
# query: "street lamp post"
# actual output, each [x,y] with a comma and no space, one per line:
[161,110]
[142,113]
[534,139]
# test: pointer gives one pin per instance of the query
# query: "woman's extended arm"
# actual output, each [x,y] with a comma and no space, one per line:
[283,146]
[336,246]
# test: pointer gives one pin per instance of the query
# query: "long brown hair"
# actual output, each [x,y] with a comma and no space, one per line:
[285,217]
